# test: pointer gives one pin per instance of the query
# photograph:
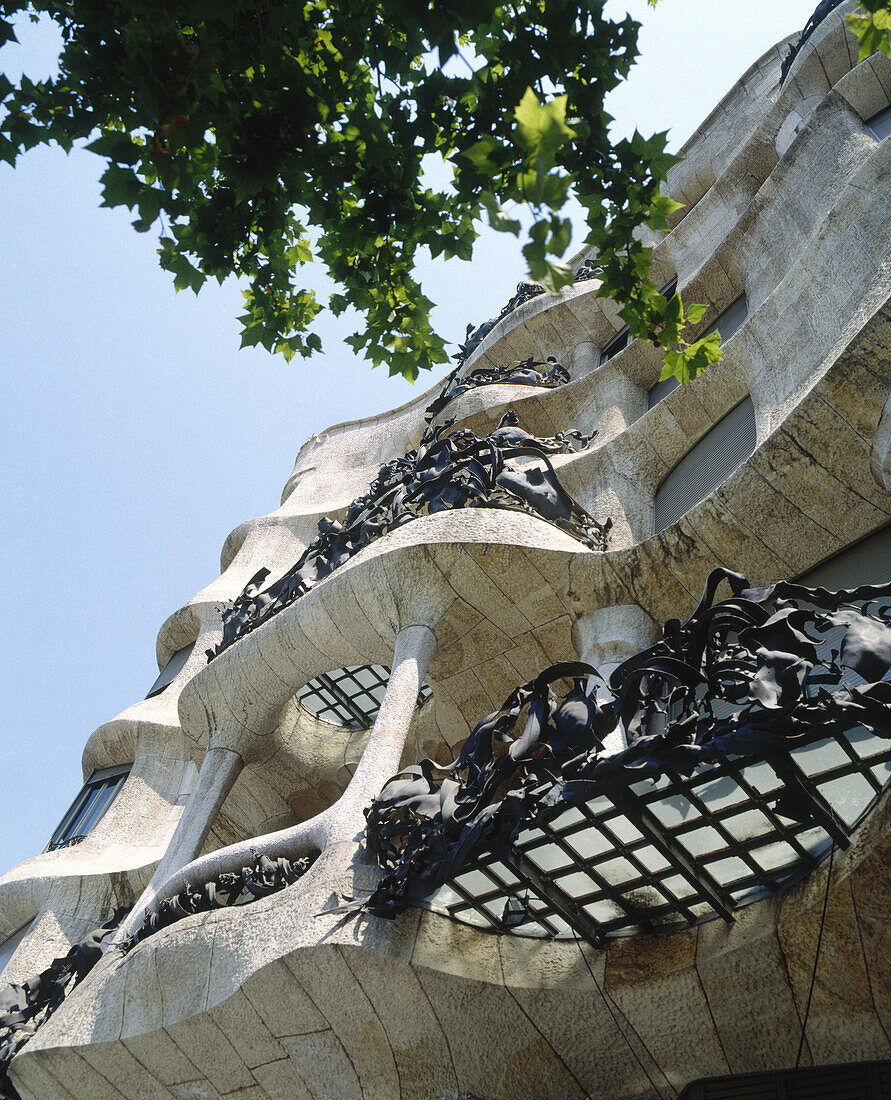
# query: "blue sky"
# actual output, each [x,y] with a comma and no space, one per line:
[135,435]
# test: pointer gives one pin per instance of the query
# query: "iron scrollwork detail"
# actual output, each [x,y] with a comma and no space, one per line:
[525,372]
[264,877]
[824,8]
[23,1008]
[449,469]
[749,674]
[525,292]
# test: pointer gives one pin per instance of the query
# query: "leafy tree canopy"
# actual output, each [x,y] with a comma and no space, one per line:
[261,134]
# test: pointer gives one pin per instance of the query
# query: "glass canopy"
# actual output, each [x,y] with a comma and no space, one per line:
[667,853]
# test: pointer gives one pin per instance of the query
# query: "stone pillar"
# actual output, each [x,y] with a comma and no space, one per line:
[344,822]
[219,770]
[605,638]
[415,647]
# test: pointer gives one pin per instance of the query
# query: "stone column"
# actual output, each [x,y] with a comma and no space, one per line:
[342,822]
[219,770]
[605,638]
[415,647]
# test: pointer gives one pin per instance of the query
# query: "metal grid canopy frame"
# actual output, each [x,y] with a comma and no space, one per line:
[667,853]
[350,696]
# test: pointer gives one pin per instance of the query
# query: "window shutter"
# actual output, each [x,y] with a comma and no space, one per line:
[880,125]
[707,465]
[866,562]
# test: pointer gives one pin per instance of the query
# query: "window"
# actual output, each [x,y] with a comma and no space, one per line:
[350,696]
[623,337]
[727,324]
[866,562]
[879,125]
[706,466]
[10,945]
[863,1080]
[98,793]
[171,670]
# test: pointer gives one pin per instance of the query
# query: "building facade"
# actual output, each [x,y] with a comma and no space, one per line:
[662,897]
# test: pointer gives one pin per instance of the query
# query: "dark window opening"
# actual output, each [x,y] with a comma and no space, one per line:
[866,562]
[175,665]
[856,1081]
[879,125]
[10,945]
[97,794]
[623,337]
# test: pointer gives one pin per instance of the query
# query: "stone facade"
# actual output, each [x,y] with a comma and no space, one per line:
[787,202]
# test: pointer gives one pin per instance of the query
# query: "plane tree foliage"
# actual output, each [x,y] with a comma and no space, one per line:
[255,136]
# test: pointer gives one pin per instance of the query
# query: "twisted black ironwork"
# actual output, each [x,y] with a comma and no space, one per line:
[525,372]
[749,674]
[824,8]
[258,880]
[475,336]
[590,269]
[525,292]
[23,1008]
[449,469]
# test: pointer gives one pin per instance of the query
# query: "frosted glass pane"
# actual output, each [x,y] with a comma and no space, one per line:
[729,869]
[849,796]
[475,882]
[651,858]
[679,886]
[578,885]
[821,756]
[772,856]
[721,793]
[674,810]
[617,871]
[549,857]
[604,911]
[702,842]
[747,825]
[589,843]
[622,828]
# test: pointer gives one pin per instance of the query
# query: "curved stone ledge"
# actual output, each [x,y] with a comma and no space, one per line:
[286,994]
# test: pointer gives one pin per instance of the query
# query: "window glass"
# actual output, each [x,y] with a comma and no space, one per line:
[623,338]
[866,562]
[97,794]
[9,946]
[727,324]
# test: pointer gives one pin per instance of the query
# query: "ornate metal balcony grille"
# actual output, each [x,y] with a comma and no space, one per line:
[758,734]
[350,696]
[669,853]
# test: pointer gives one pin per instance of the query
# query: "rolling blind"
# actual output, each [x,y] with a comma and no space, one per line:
[857,1081]
[866,562]
[880,125]
[707,465]
[727,324]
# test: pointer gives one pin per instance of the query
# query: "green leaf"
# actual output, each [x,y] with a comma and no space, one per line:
[541,128]
[480,155]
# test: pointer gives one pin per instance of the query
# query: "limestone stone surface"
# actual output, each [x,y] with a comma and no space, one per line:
[787,202]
